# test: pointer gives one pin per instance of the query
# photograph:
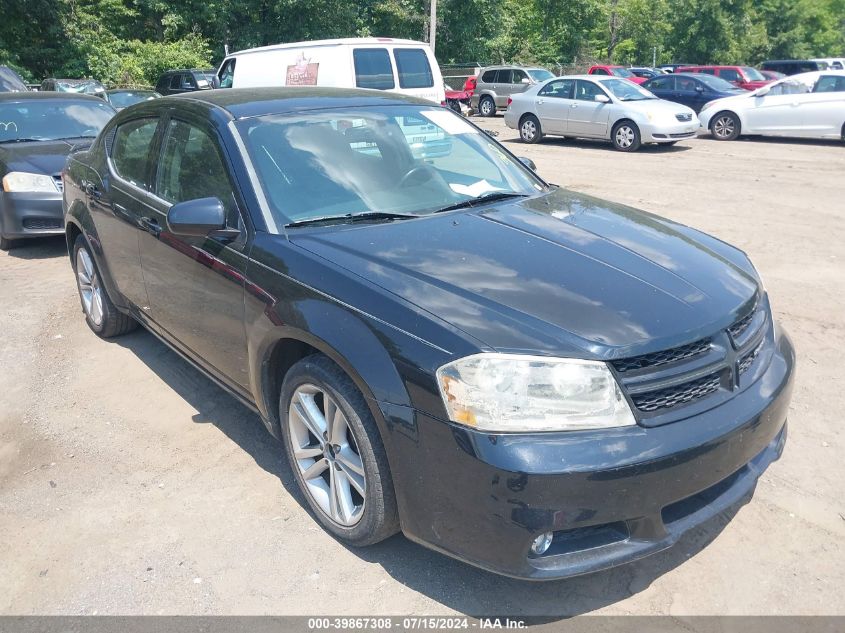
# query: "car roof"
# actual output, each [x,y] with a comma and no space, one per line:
[46,95]
[241,103]
[365,41]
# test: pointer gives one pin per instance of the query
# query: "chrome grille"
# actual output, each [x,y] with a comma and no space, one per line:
[663,357]
[677,394]
[738,328]
[749,358]
[683,118]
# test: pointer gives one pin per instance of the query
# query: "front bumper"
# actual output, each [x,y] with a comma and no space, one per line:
[31,214]
[609,497]
[669,132]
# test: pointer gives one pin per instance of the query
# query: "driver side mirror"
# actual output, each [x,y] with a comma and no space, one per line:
[602,98]
[203,217]
[528,163]
[215,82]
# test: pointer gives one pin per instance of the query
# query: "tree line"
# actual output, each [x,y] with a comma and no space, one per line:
[133,41]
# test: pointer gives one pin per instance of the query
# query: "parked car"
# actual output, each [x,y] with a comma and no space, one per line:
[646,72]
[175,82]
[772,75]
[10,81]
[124,97]
[37,132]
[810,105]
[370,308]
[497,83]
[793,66]
[691,90]
[615,71]
[670,68]
[380,63]
[591,106]
[743,77]
[78,86]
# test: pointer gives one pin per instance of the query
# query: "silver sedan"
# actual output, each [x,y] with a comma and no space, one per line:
[590,106]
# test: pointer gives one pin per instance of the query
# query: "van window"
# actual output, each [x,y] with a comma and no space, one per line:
[227,73]
[413,68]
[373,68]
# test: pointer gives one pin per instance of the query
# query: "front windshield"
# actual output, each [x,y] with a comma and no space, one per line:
[88,87]
[624,90]
[622,72]
[391,159]
[753,74]
[716,83]
[52,119]
[540,74]
[10,82]
[126,99]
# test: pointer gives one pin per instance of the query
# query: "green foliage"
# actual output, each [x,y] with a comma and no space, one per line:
[133,41]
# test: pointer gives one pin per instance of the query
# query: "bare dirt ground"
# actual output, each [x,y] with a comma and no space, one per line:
[129,484]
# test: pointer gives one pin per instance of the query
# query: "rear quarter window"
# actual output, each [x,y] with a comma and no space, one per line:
[413,68]
[373,68]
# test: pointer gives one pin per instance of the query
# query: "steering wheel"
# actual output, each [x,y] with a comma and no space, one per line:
[416,170]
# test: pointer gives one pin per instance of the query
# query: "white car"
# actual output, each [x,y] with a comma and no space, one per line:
[809,105]
[593,106]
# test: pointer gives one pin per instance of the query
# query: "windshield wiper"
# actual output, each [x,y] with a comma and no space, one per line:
[348,218]
[487,197]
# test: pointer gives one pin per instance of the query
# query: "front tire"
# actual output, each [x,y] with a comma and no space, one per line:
[6,244]
[626,136]
[101,315]
[725,126]
[529,129]
[335,451]
[487,107]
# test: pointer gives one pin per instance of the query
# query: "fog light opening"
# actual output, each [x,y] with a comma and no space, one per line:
[541,544]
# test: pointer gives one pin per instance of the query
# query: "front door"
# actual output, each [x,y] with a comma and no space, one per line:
[588,117]
[554,101]
[195,284]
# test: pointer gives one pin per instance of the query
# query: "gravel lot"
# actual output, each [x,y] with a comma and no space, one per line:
[129,484]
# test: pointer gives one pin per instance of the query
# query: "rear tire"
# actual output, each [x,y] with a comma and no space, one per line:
[487,107]
[101,315]
[725,126]
[626,136]
[343,457]
[529,129]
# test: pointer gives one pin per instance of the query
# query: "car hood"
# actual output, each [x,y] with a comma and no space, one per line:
[656,106]
[561,273]
[38,157]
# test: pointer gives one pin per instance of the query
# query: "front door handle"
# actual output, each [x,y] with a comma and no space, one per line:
[574,105]
[150,225]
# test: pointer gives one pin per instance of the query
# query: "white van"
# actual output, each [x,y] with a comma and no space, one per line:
[382,63]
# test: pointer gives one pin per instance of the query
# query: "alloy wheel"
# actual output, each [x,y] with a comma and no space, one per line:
[487,107]
[625,136]
[89,287]
[327,455]
[724,127]
[528,130]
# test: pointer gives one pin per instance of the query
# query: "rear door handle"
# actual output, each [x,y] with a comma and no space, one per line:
[150,225]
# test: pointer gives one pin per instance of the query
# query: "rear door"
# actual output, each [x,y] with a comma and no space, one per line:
[416,74]
[502,87]
[588,117]
[554,101]
[195,284]
[689,92]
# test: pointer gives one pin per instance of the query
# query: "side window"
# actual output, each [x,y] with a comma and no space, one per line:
[489,77]
[560,88]
[130,151]
[686,84]
[413,68]
[587,90]
[517,76]
[707,71]
[176,82]
[227,73]
[188,82]
[600,71]
[191,167]
[661,83]
[373,68]
[503,76]
[729,74]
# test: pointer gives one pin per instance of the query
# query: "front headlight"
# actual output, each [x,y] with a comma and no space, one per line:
[505,393]
[22,181]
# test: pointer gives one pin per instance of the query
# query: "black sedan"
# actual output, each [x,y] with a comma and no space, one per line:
[691,90]
[532,380]
[37,132]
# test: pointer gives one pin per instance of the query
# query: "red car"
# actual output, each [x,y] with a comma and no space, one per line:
[740,76]
[616,71]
